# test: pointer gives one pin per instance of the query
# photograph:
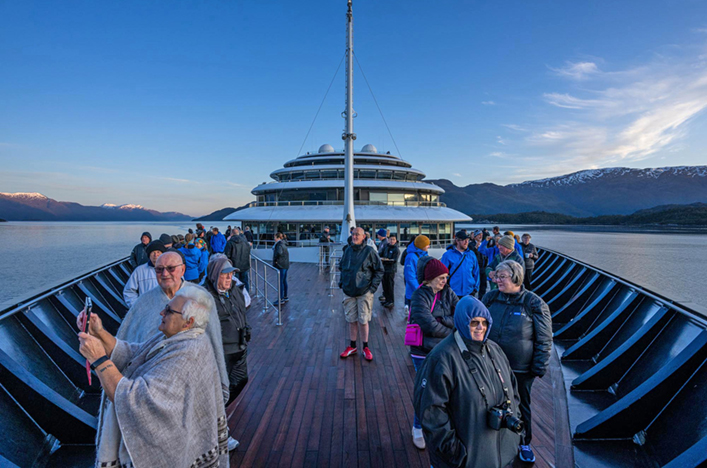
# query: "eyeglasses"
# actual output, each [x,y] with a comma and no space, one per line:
[168,310]
[502,277]
[476,323]
[169,268]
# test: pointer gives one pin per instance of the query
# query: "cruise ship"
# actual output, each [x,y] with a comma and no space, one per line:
[307,194]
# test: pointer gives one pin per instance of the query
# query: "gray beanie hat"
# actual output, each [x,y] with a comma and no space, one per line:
[508,242]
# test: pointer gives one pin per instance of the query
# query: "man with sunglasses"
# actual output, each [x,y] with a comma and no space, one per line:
[142,319]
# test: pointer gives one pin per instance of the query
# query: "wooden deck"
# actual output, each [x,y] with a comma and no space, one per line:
[306,407]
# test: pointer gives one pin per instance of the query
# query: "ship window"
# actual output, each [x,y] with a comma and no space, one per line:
[435,198]
[409,197]
[311,175]
[411,177]
[396,198]
[379,198]
[317,196]
[297,175]
[328,174]
[386,175]
[284,177]
[366,174]
[397,175]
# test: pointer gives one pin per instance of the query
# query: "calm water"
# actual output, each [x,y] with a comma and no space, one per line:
[37,256]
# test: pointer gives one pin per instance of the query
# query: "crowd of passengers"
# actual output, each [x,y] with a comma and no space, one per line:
[478,337]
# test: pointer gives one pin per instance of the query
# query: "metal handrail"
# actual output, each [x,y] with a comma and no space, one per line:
[29,302]
[256,278]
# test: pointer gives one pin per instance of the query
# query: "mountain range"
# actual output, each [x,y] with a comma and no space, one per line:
[595,192]
[37,207]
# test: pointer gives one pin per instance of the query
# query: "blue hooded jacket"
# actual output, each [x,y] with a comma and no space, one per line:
[466,278]
[193,261]
[519,249]
[410,271]
[467,308]
[218,242]
[490,252]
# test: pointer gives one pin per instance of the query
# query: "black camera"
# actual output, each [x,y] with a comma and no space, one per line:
[501,416]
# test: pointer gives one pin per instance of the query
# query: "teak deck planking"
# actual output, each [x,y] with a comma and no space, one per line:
[306,407]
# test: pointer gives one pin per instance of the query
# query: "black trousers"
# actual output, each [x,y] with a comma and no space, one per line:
[389,286]
[237,370]
[525,382]
[528,278]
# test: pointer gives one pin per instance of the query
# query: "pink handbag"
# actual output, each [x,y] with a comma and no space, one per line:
[413,333]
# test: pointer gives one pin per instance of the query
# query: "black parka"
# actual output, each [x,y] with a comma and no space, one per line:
[139,255]
[522,327]
[238,252]
[361,270]
[391,252]
[435,324]
[281,256]
[452,411]
[232,315]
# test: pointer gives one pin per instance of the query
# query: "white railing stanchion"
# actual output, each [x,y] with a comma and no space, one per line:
[262,285]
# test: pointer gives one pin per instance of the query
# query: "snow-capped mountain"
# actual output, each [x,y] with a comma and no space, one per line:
[593,192]
[590,175]
[37,207]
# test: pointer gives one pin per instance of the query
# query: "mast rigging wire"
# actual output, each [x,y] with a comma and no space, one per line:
[377,106]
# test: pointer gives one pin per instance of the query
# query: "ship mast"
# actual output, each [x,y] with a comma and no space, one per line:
[348,136]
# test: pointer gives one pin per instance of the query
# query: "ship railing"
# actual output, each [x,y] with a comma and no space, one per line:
[329,259]
[30,302]
[261,283]
[341,203]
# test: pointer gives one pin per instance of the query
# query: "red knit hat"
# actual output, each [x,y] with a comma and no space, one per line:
[435,268]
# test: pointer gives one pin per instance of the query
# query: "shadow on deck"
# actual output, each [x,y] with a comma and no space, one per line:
[304,406]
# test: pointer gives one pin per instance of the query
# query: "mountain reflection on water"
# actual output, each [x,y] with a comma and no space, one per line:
[669,261]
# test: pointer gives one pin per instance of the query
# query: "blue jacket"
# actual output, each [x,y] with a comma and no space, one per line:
[193,260]
[466,277]
[410,271]
[218,242]
[519,249]
[490,252]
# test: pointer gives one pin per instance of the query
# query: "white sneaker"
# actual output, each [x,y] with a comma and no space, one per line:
[232,444]
[417,438]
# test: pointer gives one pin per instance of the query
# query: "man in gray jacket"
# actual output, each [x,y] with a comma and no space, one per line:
[361,273]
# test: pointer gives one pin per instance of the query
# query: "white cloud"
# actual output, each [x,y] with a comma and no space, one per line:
[456,174]
[488,103]
[577,70]
[618,117]
[515,127]
[501,141]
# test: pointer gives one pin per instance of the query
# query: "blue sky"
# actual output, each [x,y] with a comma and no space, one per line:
[187,105]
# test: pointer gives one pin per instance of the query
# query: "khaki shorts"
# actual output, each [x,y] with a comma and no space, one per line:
[358,309]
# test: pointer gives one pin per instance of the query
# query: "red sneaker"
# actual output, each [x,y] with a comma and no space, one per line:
[367,354]
[348,352]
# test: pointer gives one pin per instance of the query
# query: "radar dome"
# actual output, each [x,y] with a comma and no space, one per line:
[326,149]
[369,148]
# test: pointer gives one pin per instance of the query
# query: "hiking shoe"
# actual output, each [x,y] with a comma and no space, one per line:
[367,354]
[349,351]
[280,302]
[286,299]
[417,439]
[381,298]
[388,305]
[526,454]
[232,444]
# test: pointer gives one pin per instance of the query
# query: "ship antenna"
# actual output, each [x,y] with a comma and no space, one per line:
[348,136]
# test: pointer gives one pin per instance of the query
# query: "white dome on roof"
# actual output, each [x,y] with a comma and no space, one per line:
[326,149]
[369,148]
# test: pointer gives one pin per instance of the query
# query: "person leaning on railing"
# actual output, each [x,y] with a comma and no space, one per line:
[281,261]
[165,406]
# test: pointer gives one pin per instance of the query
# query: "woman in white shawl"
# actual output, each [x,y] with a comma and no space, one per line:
[165,402]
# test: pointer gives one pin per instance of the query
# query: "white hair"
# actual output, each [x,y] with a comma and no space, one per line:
[198,304]
[514,269]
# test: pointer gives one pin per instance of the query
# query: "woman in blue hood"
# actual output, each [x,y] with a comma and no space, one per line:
[461,379]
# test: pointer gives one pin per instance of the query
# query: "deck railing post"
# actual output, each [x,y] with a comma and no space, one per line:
[279,299]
